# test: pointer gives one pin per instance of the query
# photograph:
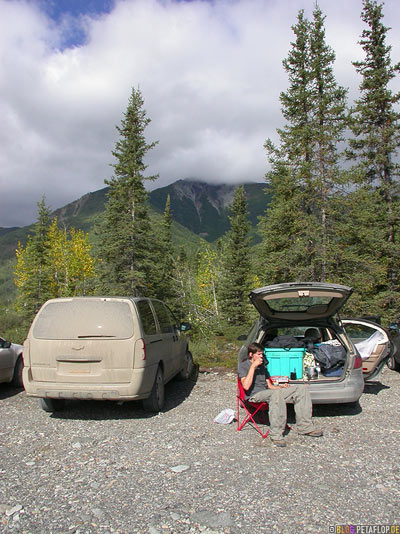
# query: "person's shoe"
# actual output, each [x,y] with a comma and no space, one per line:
[314,433]
[279,442]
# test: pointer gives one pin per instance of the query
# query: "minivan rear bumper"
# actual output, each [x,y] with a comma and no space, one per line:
[139,387]
[348,390]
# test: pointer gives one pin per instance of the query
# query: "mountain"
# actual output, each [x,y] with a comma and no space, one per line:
[204,208]
[199,209]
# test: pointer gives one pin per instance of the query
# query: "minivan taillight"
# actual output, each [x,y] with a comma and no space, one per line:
[357,362]
[143,349]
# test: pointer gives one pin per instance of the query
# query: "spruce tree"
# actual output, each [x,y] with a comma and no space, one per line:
[376,128]
[164,257]
[32,269]
[298,230]
[329,121]
[126,245]
[235,273]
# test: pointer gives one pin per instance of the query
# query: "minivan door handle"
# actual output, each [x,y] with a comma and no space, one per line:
[155,341]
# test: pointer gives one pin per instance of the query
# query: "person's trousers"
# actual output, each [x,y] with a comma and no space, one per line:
[277,400]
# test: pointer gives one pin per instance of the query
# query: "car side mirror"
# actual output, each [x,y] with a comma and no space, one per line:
[6,344]
[185,327]
[243,337]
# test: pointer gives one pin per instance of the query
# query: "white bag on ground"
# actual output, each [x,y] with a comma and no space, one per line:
[225,417]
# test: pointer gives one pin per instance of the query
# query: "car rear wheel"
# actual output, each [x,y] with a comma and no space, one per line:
[17,377]
[393,364]
[155,402]
[187,367]
[51,405]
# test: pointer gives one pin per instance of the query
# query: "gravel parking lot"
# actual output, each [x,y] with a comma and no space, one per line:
[107,468]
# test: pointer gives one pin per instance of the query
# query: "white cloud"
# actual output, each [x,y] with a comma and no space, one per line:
[210,74]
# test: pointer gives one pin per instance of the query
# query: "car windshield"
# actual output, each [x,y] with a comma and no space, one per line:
[297,304]
[79,319]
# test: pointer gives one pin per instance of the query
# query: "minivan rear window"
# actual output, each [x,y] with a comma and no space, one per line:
[84,319]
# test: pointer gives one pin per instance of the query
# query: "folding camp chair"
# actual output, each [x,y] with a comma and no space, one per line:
[251,409]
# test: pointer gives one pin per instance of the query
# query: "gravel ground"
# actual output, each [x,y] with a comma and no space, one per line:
[108,468]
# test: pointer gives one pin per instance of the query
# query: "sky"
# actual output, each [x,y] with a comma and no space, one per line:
[210,73]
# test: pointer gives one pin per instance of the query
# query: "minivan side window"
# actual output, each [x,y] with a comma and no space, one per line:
[165,317]
[146,317]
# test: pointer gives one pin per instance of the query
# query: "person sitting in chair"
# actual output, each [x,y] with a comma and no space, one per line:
[258,387]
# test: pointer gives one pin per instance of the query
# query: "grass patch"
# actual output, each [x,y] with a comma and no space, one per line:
[218,351]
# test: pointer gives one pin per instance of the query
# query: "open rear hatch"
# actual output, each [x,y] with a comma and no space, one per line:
[299,302]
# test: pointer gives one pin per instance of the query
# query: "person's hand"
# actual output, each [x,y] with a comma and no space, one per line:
[285,385]
[257,359]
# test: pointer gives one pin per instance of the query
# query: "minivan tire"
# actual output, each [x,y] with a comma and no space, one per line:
[187,369]
[155,402]
[51,405]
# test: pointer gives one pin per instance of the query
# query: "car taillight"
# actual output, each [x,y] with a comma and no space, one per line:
[357,362]
[143,349]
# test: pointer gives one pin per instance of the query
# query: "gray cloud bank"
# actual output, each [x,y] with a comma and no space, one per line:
[210,74]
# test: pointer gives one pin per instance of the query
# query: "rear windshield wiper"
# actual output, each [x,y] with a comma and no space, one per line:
[95,335]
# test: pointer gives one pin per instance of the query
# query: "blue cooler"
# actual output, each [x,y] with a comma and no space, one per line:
[283,362]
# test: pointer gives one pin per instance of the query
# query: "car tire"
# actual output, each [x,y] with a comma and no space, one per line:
[187,369]
[51,405]
[17,377]
[155,402]
[393,364]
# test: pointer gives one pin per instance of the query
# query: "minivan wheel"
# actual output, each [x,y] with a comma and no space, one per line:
[393,364]
[51,405]
[187,367]
[155,402]
[17,377]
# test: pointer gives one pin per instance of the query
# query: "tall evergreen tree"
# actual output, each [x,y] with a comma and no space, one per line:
[329,122]
[235,272]
[126,246]
[375,124]
[164,257]
[282,227]
[298,231]
[32,269]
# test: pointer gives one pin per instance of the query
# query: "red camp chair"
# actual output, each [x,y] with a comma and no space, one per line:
[251,409]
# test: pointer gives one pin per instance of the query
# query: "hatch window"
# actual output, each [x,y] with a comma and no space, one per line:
[299,304]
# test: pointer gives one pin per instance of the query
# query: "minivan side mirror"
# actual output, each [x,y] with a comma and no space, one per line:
[6,345]
[185,327]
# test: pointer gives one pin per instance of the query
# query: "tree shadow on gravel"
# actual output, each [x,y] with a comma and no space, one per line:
[175,393]
[7,391]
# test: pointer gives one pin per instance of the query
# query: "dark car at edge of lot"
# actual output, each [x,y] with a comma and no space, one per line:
[11,362]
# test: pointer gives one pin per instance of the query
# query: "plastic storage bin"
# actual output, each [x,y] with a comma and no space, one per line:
[285,361]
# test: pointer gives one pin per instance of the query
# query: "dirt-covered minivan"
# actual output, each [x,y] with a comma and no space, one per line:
[104,348]
[306,341]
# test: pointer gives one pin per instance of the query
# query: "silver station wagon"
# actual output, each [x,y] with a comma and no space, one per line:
[104,348]
[306,341]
